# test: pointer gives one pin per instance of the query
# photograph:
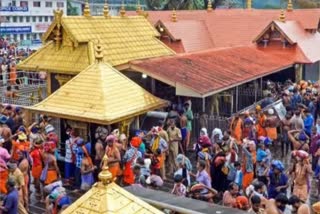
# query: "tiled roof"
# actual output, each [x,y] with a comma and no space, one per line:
[211,71]
[109,199]
[234,27]
[309,43]
[48,58]
[193,34]
[124,39]
[99,94]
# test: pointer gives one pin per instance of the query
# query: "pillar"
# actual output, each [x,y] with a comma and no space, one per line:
[153,85]
[204,104]
[237,98]
[48,83]
[298,72]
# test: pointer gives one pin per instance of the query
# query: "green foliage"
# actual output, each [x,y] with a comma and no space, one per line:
[71,11]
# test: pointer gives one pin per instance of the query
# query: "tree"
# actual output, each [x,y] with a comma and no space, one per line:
[71,11]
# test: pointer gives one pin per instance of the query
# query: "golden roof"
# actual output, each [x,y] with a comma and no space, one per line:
[47,58]
[123,38]
[108,198]
[99,94]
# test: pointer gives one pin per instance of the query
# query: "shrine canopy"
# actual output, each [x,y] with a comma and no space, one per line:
[106,197]
[68,42]
[99,94]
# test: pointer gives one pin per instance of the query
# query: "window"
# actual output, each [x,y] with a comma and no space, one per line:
[34,36]
[14,3]
[36,4]
[51,18]
[28,36]
[15,37]
[14,19]
[27,18]
[21,37]
[20,18]
[23,3]
[40,18]
[48,4]
[46,18]
[60,4]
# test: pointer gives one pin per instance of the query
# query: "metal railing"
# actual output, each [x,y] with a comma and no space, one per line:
[27,88]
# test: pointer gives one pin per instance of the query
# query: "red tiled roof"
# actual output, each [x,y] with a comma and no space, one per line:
[233,27]
[309,43]
[193,34]
[212,71]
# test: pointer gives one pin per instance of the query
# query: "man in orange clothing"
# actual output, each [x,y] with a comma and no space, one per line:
[236,128]
[4,157]
[261,122]
[19,146]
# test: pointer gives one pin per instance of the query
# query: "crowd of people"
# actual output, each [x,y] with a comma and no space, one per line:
[236,167]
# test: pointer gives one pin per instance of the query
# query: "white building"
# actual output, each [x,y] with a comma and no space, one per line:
[26,21]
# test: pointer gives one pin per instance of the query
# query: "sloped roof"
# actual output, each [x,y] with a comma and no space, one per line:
[124,39]
[99,94]
[234,27]
[208,72]
[110,199]
[193,34]
[47,58]
[307,42]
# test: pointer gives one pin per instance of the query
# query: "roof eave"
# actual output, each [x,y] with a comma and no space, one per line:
[80,118]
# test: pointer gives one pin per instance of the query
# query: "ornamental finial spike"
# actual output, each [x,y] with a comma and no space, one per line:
[249,4]
[98,52]
[282,17]
[209,6]
[290,6]
[122,10]
[174,16]
[86,10]
[106,9]
[138,8]
[105,175]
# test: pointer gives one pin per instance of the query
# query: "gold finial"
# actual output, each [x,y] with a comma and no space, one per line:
[289,6]
[249,4]
[105,175]
[174,16]
[122,10]
[282,17]
[138,9]
[86,10]
[209,6]
[106,9]
[98,52]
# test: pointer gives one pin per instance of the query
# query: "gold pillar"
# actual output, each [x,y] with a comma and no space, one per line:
[125,126]
[48,83]
[298,72]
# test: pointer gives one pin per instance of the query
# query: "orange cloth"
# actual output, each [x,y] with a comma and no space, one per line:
[13,75]
[301,191]
[272,133]
[114,169]
[51,176]
[236,128]
[19,146]
[247,179]
[261,131]
[36,171]
[3,179]
[128,176]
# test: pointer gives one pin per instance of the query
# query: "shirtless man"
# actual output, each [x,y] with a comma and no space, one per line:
[285,127]
[5,132]
[277,205]
[114,157]
[299,140]
[87,169]
[298,205]
[23,165]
